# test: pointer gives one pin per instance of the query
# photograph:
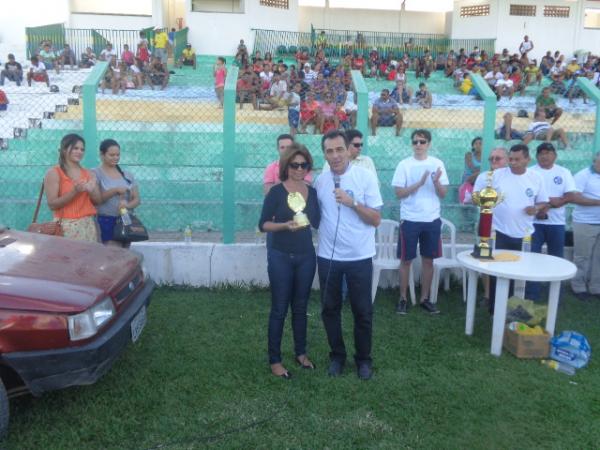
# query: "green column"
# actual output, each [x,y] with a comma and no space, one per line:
[362,101]
[594,93]
[489,118]
[229,156]
[90,129]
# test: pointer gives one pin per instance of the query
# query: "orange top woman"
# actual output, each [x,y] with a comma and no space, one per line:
[72,191]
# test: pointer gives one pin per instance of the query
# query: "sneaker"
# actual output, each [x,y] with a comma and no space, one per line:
[335,368]
[401,307]
[364,371]
[429,307]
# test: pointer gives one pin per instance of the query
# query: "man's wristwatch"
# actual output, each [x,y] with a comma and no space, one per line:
[354,204]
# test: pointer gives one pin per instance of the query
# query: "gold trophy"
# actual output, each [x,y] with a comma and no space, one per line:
[297,203]
[486,199]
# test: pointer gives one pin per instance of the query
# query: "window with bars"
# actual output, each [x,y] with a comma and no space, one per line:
[218,6]
[475,11]
[556,11]
[522,10]
[283,4]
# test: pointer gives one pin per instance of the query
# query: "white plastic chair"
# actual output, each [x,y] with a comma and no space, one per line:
[386,258]
[447,262]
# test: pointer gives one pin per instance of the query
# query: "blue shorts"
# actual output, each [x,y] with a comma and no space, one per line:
[387,121]
[293,118]
[107,227]
[426,234]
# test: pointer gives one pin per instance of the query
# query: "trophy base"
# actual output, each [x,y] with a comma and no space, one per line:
[482,252]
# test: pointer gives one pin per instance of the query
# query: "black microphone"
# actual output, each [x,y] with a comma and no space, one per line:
[336,181]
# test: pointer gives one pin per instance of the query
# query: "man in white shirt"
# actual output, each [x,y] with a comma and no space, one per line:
[586,232]
[526,46]
[355,144]
[549,222]
[107,53]
[420,182]
[309,75]
[524,194]
[350,200]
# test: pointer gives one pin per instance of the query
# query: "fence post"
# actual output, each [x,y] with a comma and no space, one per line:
[489,117]
[594,93]
[90,129]
[229,151]
[362,101]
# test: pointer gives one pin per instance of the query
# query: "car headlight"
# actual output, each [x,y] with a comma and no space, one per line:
[87,323]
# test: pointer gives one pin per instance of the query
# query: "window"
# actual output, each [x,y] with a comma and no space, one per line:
[592,18]
[218,6]
[556,11]
[522,10]
[283,4]
[475,11]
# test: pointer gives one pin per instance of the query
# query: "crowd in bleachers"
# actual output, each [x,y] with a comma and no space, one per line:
[270,84]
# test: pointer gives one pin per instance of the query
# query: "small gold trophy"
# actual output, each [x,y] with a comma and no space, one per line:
[297,203]
[486,199]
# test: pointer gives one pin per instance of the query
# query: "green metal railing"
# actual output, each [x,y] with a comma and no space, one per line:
[594,93]
[489,117]
[362,101]
[229,156]
[339,42]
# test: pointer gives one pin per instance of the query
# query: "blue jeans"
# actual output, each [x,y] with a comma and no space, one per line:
[359,276]
[503,242]
[554,237]
[291,276]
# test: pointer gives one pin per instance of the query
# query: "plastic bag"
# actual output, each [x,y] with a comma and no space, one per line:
[527,311]
[572,348]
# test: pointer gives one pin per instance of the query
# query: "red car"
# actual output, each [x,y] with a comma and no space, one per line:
[68,309]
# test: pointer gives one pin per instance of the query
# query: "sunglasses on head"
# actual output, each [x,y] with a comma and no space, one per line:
[419,141]
[296,166]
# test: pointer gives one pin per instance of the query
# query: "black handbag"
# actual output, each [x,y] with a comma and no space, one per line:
[130,233]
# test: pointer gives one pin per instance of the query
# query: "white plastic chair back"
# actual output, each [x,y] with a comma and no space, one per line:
[387,239]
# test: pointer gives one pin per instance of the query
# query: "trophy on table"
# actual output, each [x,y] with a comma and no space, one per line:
[296,202]
[486,199]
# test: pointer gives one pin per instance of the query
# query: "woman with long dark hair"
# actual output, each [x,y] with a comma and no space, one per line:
[118,190]
[71,191]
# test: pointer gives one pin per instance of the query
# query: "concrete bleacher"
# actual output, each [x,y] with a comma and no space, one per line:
[173,143]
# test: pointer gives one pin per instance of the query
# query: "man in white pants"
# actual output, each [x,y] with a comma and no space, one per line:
[586,232]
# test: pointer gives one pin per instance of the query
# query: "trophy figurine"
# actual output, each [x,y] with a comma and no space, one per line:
[297,203]
[486,199]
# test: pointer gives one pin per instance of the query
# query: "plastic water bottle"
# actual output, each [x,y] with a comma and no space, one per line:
[125,217]
[559,367]
[526,245]
[492,241]
[187,234]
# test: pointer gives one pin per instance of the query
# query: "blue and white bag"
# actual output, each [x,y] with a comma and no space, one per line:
[571,348]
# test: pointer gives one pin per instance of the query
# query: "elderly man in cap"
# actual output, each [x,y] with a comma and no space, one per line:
[188,57]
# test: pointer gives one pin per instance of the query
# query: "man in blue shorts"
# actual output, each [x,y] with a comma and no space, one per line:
[385,113]
[420,182]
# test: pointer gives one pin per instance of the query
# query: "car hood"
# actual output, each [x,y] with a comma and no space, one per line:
[54,274]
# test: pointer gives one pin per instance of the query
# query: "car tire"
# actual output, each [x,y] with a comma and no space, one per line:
[4,411]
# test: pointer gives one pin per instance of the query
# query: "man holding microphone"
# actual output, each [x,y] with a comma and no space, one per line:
[350,200]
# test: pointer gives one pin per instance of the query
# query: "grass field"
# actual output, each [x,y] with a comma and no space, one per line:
[199,378]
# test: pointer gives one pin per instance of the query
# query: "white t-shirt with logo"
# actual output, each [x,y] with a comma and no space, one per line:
[558,181]
[355,239]
[423,205]
[519,192]
[588,183]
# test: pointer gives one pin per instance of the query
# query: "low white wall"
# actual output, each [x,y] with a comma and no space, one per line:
[213,265]
[109,21]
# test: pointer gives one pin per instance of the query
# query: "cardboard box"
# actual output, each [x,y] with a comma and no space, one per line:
[527,346]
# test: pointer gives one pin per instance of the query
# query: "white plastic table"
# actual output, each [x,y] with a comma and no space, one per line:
[530,267]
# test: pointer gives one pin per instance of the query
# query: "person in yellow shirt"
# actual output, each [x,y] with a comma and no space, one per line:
[188,57]
[161,42]
[572,67]
[466,87]
[533,71]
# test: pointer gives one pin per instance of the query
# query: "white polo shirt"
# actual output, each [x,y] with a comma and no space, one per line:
[423,205]
[355,239]
[519,192]
[588,183]
[558,181]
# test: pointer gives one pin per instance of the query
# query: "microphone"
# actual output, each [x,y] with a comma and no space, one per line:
[336,181]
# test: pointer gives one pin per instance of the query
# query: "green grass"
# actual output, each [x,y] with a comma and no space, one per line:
[199,377]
